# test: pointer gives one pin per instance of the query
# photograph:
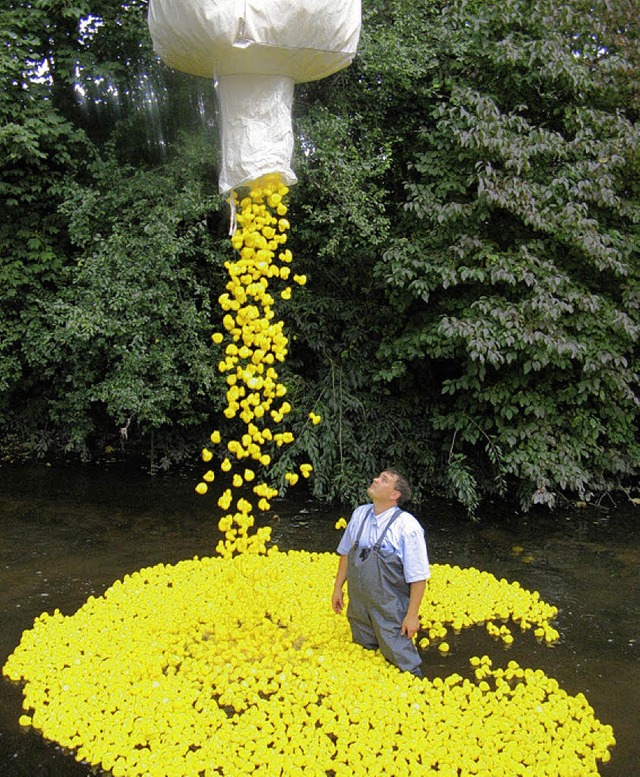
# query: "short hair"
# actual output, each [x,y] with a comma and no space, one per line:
[402,485]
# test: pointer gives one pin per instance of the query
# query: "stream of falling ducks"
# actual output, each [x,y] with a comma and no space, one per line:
[235,665]
[256,345]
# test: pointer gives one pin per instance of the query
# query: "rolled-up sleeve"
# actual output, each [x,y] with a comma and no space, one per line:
[414,557]
[349,536]
[345,543]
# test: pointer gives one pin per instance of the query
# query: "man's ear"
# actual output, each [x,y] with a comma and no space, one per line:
[395,495]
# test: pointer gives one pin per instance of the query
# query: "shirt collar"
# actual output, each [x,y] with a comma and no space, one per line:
[381,517]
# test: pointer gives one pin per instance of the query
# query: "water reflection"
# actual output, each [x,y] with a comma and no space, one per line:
[68,533]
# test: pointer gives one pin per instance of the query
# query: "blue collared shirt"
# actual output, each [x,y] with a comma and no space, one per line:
[405,538]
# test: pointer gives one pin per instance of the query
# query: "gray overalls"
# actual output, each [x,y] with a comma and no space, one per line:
[378,601]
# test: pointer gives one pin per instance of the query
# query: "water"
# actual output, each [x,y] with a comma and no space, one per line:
[70,532]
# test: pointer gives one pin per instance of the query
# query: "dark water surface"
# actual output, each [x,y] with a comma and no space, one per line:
[69,532]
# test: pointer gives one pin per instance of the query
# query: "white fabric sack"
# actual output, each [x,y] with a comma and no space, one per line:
[257,136]
[280,42]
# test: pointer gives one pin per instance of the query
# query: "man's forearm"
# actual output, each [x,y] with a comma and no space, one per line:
[416,592]
[341,574]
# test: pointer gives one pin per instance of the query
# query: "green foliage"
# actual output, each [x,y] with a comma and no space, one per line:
[39,151]
[520,273]
[125,336]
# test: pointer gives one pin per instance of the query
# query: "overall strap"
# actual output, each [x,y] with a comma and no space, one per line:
[356,544]
[378,544]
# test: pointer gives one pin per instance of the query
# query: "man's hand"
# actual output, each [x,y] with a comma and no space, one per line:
[411,622]
[410,625]
[337,600]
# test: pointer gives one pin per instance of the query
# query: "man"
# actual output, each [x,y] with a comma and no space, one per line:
[383,555]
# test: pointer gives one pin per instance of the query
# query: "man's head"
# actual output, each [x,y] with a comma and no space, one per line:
[389,488]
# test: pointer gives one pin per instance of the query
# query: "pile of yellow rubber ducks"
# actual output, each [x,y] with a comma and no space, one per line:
[233,666]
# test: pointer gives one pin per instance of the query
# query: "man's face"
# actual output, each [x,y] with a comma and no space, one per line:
[383,488]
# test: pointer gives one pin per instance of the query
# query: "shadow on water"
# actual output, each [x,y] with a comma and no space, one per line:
[70,532]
